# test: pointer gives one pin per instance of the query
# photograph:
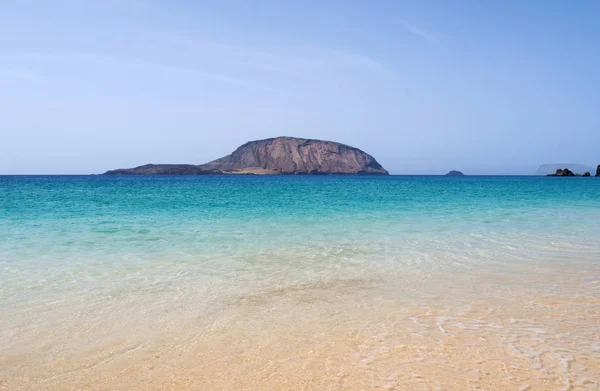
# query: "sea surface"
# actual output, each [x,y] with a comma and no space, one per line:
[299,283]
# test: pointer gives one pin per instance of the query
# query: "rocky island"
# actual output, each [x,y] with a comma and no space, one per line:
[562,172]
[281,155]
[576,168]
[455,173]
[567,172]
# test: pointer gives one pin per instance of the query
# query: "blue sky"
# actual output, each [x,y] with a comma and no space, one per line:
[487,87]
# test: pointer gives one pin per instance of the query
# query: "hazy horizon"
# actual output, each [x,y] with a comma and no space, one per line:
[494,88]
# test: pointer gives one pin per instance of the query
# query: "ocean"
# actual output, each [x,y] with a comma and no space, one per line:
[299,283]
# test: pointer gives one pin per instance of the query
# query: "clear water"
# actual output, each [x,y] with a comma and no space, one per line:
[103,278]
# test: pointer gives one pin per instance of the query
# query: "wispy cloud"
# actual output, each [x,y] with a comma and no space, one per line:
[222,79]
[249,57]
[419,32]
[18,74]
[306,62]
[363,62]
[103,59]
[276,72]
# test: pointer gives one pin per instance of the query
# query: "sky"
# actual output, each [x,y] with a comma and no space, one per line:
[485,87]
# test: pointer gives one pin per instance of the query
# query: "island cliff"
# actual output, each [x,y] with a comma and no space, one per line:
[281,155]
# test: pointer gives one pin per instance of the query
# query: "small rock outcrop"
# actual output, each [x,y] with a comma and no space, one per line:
[563,172]
[587,173]
[455,173]
[598,170]
[281,155]
[577,168]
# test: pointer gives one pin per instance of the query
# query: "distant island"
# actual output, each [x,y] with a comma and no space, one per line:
[275,156]
[455,173]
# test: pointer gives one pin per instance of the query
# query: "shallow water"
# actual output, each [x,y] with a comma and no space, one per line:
[277,283]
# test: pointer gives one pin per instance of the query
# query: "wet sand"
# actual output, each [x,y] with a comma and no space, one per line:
[534,330]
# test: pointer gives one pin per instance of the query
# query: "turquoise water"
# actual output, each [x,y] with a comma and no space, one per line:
[62,231]
[77,216]
[80,249]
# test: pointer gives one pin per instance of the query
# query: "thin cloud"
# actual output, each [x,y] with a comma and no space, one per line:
[222,79]
[18,74]
[307,62]
[364,62]
[94,58]
[429,37]
[241,55]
